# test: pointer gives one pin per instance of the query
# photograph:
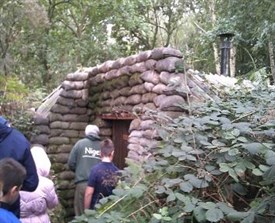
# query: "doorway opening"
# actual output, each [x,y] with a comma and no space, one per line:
[120,139]
[120,134]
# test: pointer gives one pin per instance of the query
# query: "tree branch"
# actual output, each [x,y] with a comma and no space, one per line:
[199,27]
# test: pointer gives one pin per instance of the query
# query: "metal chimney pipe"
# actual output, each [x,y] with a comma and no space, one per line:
[225,52]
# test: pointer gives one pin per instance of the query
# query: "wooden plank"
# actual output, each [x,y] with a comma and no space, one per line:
[118,116]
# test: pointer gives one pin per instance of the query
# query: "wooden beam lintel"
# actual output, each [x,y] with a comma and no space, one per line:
[118,116]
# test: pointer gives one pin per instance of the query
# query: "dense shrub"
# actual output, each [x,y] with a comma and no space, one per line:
[17,103]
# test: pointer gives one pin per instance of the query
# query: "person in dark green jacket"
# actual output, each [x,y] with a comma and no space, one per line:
[84,155]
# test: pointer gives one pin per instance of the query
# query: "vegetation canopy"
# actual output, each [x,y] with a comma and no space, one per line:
[43,40]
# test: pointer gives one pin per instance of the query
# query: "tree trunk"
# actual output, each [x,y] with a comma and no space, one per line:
[214,45]
[271,58]
[43,56]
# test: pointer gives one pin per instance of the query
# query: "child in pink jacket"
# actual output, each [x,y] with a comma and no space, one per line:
[34,205]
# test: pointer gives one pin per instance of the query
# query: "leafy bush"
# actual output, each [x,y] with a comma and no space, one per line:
[221,161]
[12,89]
[216,165]
[17,103]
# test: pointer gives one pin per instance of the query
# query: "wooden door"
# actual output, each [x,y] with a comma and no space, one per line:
[120,139]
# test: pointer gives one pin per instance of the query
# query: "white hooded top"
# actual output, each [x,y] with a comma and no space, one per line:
[34,205]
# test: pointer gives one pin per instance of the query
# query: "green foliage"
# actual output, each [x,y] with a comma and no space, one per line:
[252,45]
[259,77]
[144,25]
[58,214]
[14,103]
[22,116]
[216,165]
[17,102]
[42,40]
[12,89]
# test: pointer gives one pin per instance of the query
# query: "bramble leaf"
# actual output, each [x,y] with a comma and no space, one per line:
[214,215]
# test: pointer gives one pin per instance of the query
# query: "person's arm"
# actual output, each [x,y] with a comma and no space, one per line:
[51,198]
[31,181]
[72,159]
[88,197]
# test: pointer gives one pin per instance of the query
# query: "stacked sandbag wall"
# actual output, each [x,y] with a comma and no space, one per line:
[137,85]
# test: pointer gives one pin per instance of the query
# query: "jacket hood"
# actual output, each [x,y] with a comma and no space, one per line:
[3,121]
[93,137]
[4,131]
[91,130]
[41,159]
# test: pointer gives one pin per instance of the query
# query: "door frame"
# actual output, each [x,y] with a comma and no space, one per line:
[123,137]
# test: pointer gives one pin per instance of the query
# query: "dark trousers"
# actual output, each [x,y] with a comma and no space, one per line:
[79,198]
